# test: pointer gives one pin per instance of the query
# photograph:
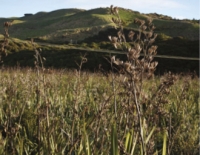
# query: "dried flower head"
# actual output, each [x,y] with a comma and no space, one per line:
[127,66]
[131,35]
[144,27]
[139,22]
[121,36]
[113,10]
[149,34]
[149,21]
[133,54]
[114,40]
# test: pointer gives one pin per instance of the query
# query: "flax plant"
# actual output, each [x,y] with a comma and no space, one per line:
[48,137]
[133,72]
[38,61]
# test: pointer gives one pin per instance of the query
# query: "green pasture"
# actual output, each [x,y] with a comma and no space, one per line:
[49,24]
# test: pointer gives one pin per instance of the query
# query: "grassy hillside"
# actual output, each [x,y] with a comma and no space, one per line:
[90,28]
[75,24]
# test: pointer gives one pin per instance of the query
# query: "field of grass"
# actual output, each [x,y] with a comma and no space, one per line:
[64,112]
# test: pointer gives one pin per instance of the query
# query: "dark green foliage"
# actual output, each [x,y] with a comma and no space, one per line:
[57,59]
[178,46]
[66,59]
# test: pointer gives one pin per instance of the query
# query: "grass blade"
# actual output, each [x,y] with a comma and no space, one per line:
[127,142]
[164,150]
[114,146]
[149,136]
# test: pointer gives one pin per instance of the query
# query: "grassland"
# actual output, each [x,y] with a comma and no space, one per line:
[76,113]
[76,24]
[90,28]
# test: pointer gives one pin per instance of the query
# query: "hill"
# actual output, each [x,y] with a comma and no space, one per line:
[90,28]
[75,24]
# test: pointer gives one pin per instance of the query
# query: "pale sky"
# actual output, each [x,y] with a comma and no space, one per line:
[180,9]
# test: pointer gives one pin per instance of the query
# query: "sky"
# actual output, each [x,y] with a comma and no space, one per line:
[179,9]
